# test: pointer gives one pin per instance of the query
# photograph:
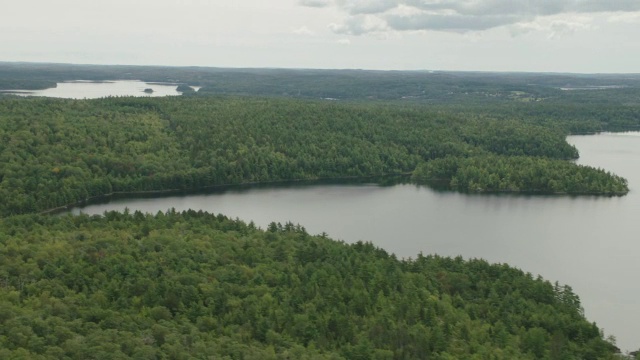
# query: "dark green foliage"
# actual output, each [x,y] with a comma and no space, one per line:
[611,110]
[195,285]
[515,138]
[57,152]
[185,89]
[588,103]
[493,173]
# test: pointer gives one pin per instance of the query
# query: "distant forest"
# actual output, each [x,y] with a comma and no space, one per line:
[410,86]
[582,103]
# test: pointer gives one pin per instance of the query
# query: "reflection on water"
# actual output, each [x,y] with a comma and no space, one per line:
[588,242]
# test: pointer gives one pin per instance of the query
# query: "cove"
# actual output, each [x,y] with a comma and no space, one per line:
[588,242]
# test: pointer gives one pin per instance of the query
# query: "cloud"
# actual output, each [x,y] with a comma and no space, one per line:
[463,15]
[554,26]
[303,31]
[359,24]
[344,42]
[447,22]
[562,28]
[522,8]
[629,17]
[355,7]
[315,3]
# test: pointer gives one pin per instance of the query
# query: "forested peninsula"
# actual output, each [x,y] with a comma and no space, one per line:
[494,173]
[193,285]
[57,152]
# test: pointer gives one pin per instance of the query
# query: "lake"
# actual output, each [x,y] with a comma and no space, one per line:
[588,242]
[93,90]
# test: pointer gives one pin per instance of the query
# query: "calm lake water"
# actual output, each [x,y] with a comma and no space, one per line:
[93,90]
[588,242]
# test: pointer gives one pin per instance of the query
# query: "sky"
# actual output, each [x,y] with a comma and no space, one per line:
[579,36]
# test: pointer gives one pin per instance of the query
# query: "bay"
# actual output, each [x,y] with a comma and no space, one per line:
[588,242]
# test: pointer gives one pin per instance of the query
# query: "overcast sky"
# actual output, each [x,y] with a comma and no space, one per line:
[490,35]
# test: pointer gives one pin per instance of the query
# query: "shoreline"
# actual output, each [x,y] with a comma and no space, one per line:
[206,188]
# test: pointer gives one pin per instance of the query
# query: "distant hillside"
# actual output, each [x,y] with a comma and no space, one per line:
[408,86]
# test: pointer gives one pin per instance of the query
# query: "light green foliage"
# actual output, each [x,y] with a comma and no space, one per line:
[203,286]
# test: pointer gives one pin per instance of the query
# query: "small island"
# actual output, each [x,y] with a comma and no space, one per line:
[148,91]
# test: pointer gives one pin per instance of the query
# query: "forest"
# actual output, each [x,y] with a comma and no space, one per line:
[58,152]
[495,173]
[407,87]
[195,285]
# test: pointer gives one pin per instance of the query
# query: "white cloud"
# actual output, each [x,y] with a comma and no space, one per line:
[629,18]
[303,31]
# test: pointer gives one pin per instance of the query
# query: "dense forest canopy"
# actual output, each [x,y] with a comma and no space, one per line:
[193,285]
[494,173]
[56,152]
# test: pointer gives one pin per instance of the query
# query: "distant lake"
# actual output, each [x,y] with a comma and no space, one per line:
[589,242]
[92,89]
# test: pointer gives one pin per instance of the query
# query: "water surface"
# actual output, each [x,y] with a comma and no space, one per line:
[588,242]
[92,89]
